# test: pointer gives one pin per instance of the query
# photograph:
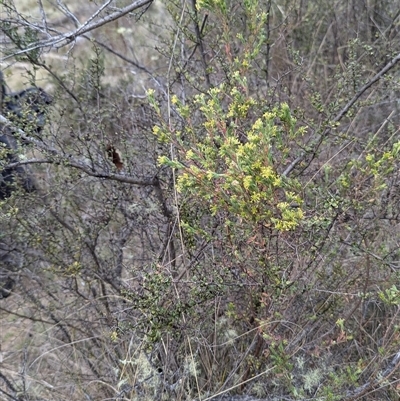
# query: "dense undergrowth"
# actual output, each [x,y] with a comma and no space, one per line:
[224,222]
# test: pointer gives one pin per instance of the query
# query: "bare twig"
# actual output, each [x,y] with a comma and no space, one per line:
[199,38]
[87,22]
[64,39]
[69,161]
[346,109]
[374,384]
[43,15]
[68,13]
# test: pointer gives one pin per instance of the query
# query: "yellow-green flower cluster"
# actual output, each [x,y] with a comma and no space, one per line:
[234,173]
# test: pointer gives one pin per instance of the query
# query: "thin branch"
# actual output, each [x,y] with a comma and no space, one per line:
[65,39]
[9,385]
[121,56]
[375,384]
[68,13]
[44,17]
[376,78]
[87,22]
[69,161]
[199,37]
[346,109]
